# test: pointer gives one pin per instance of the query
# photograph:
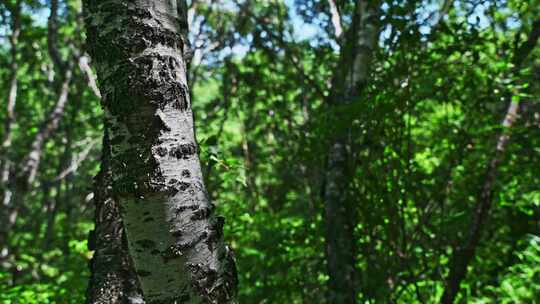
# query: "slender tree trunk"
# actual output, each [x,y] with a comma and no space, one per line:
[5,162]
[18,183]
[113,279]
[32,159]
[464,254]
[340,214]
[174,239]
[63,165]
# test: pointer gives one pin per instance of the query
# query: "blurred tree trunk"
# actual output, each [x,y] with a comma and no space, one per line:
[348,82]
[465,252]
[17,179]
[174,239]
[113,279]
[6,209]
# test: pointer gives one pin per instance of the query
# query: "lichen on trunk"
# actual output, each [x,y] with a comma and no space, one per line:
[174,238]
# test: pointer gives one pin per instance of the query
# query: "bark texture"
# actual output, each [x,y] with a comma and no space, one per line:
[340,214]
[113,279]
[174,238]
[464,254]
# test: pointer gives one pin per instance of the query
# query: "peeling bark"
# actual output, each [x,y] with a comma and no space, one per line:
[174,238]
[340,214]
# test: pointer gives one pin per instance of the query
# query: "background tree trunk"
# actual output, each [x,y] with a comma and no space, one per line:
[6,194]
[174,239]
[340,214]
[464,254]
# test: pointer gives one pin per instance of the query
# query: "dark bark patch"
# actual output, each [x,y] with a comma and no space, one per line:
[159,124]
[134,140]
[183,208]
[206,283]
[92,240]
[182,186]
[172,252]
[184,298]
[117,140]
[186,173]
[176,95]
[200,214]
[176,233]
[161,151]
[143,273]
[183,151]
[216,230]
[179,248]
[146,243]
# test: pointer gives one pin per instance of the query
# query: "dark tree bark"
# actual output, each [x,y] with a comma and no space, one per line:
[174,238]
[464,254]
[340,214]
[113,279]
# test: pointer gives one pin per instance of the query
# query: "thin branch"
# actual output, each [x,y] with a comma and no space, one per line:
[31,161]
[335,17]
[90,76]
[52,37]
[284,45]
[463,255]
[447,5]
[76,162]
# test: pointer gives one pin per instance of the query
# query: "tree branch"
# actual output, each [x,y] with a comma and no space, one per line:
[90,76]
[335,17]
[463,255]
[52,38]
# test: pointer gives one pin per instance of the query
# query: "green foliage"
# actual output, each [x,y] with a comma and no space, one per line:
[422,135]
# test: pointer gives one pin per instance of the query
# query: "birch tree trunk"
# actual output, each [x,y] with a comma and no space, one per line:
[465,252]
[113,279]
[174,238]
[6,209]
[340,214]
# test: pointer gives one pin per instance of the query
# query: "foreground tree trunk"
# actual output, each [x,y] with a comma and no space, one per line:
[464,254]
[113,279]
[340,215]
[174,239]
